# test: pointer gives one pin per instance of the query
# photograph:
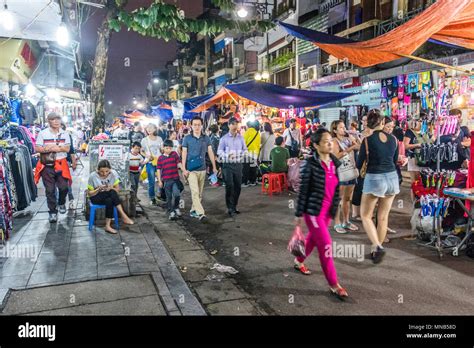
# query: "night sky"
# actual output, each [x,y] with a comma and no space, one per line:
[145,54]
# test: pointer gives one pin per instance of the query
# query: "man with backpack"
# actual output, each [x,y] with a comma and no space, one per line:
[293,139]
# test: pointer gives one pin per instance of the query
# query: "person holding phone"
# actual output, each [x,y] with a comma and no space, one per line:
[103,188]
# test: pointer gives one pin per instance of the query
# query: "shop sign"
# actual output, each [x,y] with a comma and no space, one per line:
[367,94]
[111,152]
[335,77]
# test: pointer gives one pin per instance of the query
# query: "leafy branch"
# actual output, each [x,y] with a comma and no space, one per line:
[168,22]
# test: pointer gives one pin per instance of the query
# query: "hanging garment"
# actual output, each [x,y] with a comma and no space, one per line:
[28,113]
[15,112]
[413,83]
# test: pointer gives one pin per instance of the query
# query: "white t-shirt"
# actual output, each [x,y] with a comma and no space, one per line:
[294,133]
[152,147]
[47,137]
[175,145]
[120,133]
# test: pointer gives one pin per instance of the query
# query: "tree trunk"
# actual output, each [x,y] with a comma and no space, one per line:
[101,59]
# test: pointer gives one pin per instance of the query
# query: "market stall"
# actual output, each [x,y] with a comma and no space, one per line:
[267,102]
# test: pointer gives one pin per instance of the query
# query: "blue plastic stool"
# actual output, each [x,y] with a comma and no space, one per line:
[93,208]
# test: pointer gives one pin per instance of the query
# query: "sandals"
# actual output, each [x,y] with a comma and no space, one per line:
[350,226]
[389,230]
[340,229]
[302,268]
[339,292]
[357,218]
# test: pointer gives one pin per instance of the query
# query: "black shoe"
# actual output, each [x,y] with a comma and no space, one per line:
[53,218]
[203,219]
[236,212]
[62,209]
[378,254]
[231,213]
[154,201]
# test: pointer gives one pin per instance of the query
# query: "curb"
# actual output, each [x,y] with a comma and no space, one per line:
[4,294]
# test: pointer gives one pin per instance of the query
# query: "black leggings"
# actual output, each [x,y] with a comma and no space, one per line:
[110,199]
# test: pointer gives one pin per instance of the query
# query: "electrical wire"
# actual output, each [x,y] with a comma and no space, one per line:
[29,24]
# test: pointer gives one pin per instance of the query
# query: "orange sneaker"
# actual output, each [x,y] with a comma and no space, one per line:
[302,268]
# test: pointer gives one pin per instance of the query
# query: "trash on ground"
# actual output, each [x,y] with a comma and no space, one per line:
[214,277]
[213,252]
[224,269]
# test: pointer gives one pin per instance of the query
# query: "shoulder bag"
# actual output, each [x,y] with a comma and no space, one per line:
[363,170]
[48,159]
[347,171]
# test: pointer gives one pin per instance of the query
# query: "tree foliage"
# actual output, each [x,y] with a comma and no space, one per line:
[168,22]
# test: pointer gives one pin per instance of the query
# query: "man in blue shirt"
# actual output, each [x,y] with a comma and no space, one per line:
[195,146]
[231,153]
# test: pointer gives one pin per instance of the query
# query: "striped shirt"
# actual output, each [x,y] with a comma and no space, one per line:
[135,161]
[169,166]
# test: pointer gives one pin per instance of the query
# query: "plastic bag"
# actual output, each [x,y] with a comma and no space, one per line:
[296,244]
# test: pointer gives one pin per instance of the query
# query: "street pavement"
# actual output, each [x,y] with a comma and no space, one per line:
[160,267]
[412,280]
[108,274]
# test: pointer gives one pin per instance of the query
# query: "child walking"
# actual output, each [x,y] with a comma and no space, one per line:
[136,161]
[318,201]
[168,178]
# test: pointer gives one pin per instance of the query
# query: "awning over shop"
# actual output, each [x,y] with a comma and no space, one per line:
[451,22]
[191,103]
[273,96]
[163,111]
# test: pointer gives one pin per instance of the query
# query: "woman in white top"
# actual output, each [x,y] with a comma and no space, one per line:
[151,150]
[173,135]
[267,143]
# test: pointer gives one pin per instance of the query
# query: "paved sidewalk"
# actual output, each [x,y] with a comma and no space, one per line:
[67,252]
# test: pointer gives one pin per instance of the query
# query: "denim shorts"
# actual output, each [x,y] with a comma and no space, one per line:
[347,183]
[381,185]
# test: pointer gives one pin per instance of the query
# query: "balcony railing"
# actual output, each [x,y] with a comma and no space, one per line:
[222,64]
[282,61]
[390,24]
[284,7]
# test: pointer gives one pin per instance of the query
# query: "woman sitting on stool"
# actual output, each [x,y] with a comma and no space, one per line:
[103,188]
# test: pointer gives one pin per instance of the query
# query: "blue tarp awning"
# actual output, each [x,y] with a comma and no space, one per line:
[280,97]
[191,103]
[163,111]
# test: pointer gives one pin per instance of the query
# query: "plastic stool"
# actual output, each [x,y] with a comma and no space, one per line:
[283,181]
[93,208]
[274,185]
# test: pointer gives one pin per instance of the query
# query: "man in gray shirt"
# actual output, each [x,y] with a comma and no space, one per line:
[195,146]
[231,152]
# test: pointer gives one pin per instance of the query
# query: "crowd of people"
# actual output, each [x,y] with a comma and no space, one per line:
[347,175]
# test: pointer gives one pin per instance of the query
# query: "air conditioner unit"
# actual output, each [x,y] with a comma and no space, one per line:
[236,62]
[313,72]
[304,75]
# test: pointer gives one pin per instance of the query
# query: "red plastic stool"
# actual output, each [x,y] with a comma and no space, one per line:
[273,181]
[283,181]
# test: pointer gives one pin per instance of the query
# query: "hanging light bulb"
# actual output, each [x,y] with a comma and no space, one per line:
[6,18]
[258,76]
[265,75]
[242,12]
[62,35]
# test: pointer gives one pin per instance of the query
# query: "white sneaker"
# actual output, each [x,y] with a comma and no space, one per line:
[178,213]
[172,216]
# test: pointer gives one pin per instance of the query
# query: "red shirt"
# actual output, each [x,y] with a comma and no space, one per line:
[169,166]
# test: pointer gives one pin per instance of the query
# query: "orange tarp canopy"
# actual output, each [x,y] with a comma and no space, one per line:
[449,21]
[220,97]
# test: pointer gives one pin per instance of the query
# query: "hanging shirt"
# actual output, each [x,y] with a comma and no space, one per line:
[48,137]
[413,83]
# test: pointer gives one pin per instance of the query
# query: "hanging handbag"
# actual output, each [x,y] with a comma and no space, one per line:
[363,170]
[347,171]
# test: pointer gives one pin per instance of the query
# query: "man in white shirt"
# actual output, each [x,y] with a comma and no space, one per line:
[55,175]
[293,139]
[122,131]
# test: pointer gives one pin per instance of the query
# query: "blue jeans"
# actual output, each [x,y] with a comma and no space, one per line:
[151,173]
[172,194]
